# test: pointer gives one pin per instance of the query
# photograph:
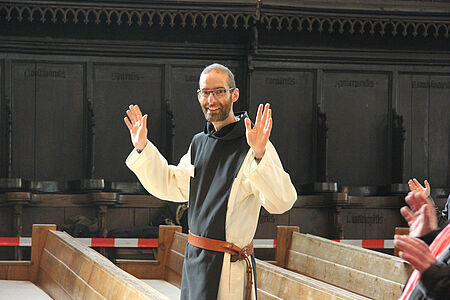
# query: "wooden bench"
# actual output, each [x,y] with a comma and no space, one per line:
[309,272]
[364,272]
[164,273]
[67,269]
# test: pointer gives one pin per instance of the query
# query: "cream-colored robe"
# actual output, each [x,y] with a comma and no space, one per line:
[256,184]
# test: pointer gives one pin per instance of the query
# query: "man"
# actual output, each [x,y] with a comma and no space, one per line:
[431,276]
[228,173]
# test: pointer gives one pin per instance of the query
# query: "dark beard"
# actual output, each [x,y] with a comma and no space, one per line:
[224,112]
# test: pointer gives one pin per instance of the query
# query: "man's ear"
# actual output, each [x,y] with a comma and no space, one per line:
[235,95]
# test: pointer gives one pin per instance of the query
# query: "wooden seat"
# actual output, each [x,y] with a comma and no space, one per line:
[163,274]
[277,283]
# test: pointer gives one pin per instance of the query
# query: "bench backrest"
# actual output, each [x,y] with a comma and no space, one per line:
[275,283]
[175,259]
[368,273]
[69,269]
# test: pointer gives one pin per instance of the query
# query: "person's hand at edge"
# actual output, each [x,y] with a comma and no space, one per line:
[415,252]
[420,214]
[415,186]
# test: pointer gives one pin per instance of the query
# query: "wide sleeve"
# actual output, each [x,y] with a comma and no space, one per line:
[269,182]
[436,281]
[162,180]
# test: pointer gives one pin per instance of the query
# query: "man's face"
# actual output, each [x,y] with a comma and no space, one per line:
[215,108]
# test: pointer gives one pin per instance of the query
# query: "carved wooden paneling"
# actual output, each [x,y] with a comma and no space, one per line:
[115,88]
[23,119]
[424,105]
[6,220]
[311,220]
[187,113]
[356,105]
[267,224]
[41,215]
[290,94]
[59,121]
[120,218]
[370,223]
[47,120]
[3,127]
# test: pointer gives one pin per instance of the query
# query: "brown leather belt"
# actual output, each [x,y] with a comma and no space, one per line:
[230,248]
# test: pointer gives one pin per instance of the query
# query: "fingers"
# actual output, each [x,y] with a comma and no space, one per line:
[413,260]
[137,111]
[131,114]
[416,199]
[407,214]
[248,124]
[414,251]
[128,123]
[418,185]
[134,114]
[263,116]
[144,119]
[428,188]
[259,115]
[430,218]
[412,186]
[266,114]
[268,128]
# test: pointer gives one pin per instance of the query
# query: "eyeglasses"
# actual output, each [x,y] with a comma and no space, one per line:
[218,94]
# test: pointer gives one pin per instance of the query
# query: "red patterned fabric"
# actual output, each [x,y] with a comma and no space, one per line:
[439,245]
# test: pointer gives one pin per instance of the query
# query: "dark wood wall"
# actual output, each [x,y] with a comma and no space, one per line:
[67,76]
[50,99]
[360,92]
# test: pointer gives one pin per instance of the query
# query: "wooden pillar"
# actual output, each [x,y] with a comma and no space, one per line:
[102,201]
[38,239]
[400,231]
[165,238]
[18,211]
[284,238]
[18,200]
[337,221]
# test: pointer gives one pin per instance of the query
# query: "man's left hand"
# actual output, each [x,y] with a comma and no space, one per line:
[415,252]
[258,136]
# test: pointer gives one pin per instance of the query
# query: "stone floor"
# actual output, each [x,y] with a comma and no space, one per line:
[21,290]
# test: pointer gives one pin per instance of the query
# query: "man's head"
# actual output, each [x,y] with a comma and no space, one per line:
[217,93]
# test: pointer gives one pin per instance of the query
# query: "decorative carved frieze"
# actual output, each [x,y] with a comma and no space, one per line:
[84,13]
[361,25]
[416,19]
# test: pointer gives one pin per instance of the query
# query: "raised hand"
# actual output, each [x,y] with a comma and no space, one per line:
[258,136]
[137,124]
[415,252]
[415,186]
[421,217]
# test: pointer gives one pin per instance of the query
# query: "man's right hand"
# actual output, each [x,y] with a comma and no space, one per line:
[137,124]
[421,217]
